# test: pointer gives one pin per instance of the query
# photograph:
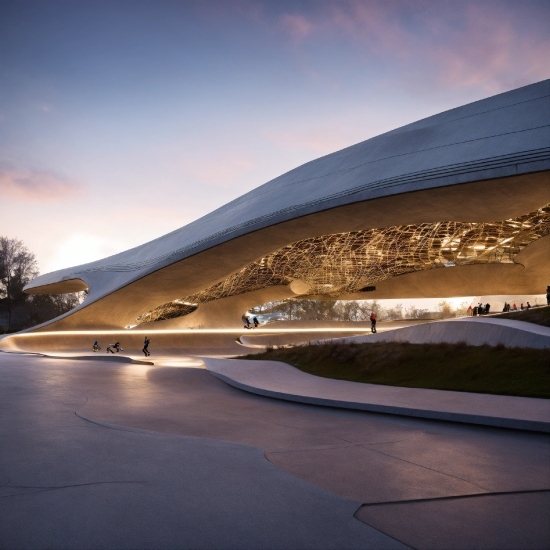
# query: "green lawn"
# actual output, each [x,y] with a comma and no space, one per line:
[457,367]
[537,315]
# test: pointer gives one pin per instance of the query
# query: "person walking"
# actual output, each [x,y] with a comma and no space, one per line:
[246,321]
[145,349]
[487,308]
[373,322]
[469,311]
[256,322]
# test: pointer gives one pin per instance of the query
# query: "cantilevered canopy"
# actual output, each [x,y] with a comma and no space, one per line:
[464,189]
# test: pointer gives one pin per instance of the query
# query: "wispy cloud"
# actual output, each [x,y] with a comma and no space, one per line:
[296,25]
[492,46]
[31,184]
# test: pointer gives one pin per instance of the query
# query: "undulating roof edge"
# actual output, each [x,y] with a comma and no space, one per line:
[504,135]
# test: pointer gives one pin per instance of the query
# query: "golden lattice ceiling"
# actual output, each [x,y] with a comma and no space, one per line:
[343,263]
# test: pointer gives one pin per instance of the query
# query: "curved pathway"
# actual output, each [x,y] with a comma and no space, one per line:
[282,381]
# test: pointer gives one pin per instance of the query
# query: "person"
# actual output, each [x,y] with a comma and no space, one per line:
[475,311]
[246,321]
[521,306]
[480,309]
[514,307]
[116,347]
[96,347]
[487,308]
[256,322]
[548,295]
[145,349]
[373,322]
[469,311]
[528,305]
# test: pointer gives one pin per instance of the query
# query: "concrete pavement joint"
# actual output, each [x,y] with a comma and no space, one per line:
[430,469]
[55,488]
[454,497]
[323,447]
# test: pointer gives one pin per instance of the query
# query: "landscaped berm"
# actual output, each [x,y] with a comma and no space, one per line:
[458,367]
[538,316]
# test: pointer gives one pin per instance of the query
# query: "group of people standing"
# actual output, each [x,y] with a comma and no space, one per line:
[248,324]
[116,348]
[513,307]
[480,309]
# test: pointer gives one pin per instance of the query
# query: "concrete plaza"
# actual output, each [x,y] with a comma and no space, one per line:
[102,454]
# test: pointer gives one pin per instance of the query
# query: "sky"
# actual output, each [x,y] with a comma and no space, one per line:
[121,121]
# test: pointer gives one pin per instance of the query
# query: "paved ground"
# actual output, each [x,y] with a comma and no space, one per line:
[170,457]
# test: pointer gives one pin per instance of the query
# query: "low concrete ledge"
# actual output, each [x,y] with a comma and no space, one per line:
[108,358]
[281,381]
[476,331]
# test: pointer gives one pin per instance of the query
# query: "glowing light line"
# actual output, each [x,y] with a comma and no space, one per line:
[188,331]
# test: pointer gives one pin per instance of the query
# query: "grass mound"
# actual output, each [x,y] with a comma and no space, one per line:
[537,315]
[458,367]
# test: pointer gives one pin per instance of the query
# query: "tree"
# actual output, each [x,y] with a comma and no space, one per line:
[446,309]
[17,267]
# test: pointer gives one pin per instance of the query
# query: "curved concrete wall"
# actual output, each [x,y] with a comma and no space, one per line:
[473,331]
[481,162]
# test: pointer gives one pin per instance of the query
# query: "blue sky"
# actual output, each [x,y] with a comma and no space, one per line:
[123,120]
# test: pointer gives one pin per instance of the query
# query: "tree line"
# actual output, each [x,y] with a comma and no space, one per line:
[352,310]
[18,266]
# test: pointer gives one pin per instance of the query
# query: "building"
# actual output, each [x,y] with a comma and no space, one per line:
[455,204]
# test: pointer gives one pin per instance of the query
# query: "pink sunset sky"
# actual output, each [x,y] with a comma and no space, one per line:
[123,120]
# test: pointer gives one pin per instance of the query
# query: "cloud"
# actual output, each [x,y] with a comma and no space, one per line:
[297,26]
[492,46]
[30,184]
[489,51]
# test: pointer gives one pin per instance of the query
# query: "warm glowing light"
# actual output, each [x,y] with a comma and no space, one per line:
[188,331]
[344,263]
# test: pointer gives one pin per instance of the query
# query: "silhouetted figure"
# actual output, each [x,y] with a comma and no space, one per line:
[145,349]
[256,322]
[96,347]
[480,309]
[373,322]
[114,348]
[246,322]
[548,295]
[487,308]
[528,305]
[476,311]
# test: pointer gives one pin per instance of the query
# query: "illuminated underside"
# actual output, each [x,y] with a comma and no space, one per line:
[344,263]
